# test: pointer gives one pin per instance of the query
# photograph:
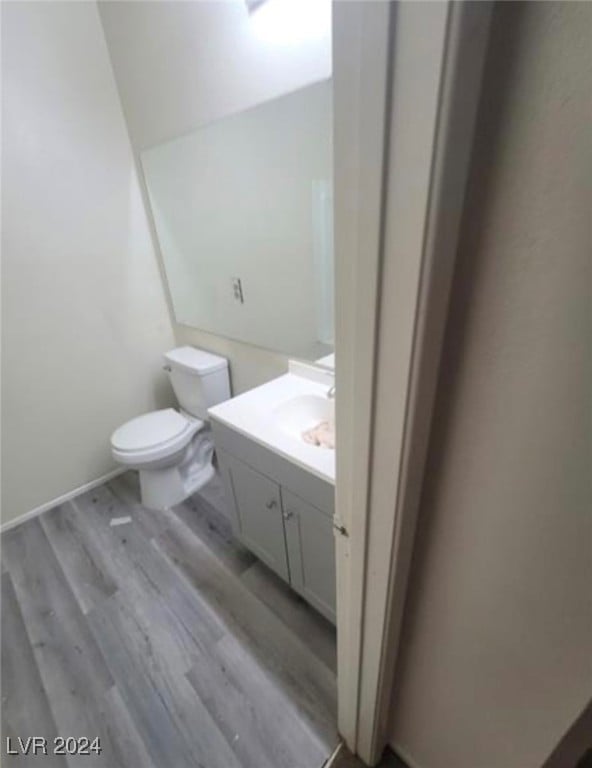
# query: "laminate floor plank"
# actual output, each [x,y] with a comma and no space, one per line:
[163,636]
[78,559]
[125,501]
[294,612]
[161,642]
[149,667]
[72,668]
[152,718]
[214,531]
[248,697]
[25,708]
[214,495]
[137,568]
[125,732]
[233,711]
[205,520]
[246,618]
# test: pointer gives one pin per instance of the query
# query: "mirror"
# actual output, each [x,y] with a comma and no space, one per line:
[244,215]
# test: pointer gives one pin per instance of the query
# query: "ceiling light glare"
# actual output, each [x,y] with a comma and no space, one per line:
[290,22]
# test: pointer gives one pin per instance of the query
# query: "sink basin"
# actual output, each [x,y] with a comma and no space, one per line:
[304,412]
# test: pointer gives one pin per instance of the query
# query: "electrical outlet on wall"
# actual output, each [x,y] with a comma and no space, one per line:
[237,289]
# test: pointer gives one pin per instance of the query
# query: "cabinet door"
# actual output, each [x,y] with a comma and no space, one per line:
[258,504]
[311,553]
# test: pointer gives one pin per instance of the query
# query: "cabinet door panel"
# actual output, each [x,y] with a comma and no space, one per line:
[311,553]
[258,504]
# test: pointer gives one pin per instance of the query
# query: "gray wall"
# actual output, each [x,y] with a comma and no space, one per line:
[84,317]
[497,644]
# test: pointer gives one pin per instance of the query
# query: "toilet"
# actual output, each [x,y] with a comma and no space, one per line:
[172,449]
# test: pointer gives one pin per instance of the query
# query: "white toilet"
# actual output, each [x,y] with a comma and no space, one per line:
[173,450]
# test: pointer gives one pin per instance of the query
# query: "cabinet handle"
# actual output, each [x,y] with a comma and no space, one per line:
[271,504]
[287,514]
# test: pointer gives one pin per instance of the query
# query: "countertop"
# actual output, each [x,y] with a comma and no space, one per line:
[251,414]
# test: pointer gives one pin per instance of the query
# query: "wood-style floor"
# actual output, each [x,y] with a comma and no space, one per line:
[163,637]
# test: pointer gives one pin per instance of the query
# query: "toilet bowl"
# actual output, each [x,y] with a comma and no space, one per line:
[172,449]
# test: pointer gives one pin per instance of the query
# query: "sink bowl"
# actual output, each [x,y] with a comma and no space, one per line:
[304,412]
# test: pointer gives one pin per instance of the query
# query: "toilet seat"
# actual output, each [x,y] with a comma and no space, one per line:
[153,436]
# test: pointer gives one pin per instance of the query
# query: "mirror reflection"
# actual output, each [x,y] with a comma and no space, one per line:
[244,215]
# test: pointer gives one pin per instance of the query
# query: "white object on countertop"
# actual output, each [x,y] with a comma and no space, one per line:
[321,435]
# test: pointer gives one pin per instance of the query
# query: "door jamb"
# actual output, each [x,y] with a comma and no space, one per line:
[405,107]
[360,69]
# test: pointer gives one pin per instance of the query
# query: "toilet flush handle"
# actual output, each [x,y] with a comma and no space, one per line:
[167,368]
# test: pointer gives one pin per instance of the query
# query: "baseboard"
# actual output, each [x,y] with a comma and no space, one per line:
[403,755]
[341,753]
[60,500]
[333,757]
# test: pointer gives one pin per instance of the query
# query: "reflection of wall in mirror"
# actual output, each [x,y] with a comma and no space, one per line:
[249,197]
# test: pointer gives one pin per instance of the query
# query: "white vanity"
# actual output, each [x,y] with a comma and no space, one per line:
[280,488]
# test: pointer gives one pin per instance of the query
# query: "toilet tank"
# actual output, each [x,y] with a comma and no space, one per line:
[200,379]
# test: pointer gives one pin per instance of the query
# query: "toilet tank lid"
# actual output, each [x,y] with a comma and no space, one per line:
[195,360]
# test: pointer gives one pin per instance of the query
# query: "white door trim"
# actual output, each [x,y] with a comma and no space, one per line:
[394,266]
[360,69]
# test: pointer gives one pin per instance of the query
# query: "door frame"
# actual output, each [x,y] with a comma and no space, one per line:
[407,81]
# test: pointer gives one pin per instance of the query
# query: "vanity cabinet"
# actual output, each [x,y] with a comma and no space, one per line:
[311,553]
[283,514]
[259,506]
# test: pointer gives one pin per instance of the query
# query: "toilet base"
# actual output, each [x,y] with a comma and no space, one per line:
[163,488]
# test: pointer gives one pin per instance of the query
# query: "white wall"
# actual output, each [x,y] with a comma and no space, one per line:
[183,64]
[84,318]
[497,640]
